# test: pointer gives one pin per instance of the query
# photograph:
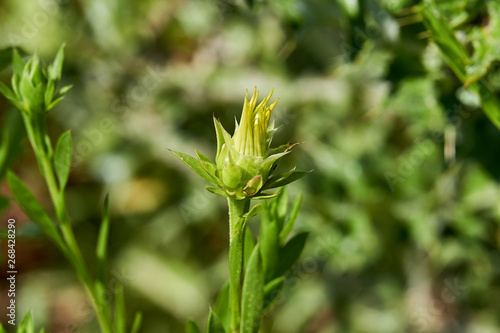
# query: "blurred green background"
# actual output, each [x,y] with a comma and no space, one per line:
[402,205]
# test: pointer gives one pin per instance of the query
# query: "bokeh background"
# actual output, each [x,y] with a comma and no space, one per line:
[402,205]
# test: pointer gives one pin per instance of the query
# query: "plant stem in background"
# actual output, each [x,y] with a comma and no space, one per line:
[58,200]
[34,94]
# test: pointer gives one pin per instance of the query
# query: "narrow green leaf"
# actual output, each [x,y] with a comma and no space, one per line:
[271,292]
[263,195]
[293,217]
[290,253]
[54,103]
[8,93]
[12,134]
[28,325]
[223,308]
[195,165]
[279,180]
[253,294]
[14,81]
[31,207]
[282,203]
[136,326]
[253,212]
[55,69]
[216,190]
[42,330]
[102,297]
[102,242]
[120,319]
[203,157]
[221,134]
[62,158]
[17,63]
[214,325]
[248,246]
[191,327]
[209,167]
[269,242]
[64,89]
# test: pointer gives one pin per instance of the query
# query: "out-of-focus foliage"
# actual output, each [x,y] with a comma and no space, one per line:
[402,206]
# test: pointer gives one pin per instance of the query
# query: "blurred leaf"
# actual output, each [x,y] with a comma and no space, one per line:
[27,325]
[31,207]
[284,179]
[65,89]
[269,242]
[282,204]
[191,327]
[102,297]
[223,307]
[136,326]
[120,319]
[102,242]
[10,145]
[290,253]
[4,203]
[252,294]
[250,3]
[55,69]
[249,246]
[62,158]
[271,292]
[485,41]
[457,58]
[8,93]
[214,325]
[18,63]
[5,57]
[54,103]
[287,228]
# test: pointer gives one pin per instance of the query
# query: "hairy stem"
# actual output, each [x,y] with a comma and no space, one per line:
[237,208]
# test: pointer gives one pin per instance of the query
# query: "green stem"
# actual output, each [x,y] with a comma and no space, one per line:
[237,208]
[72,251]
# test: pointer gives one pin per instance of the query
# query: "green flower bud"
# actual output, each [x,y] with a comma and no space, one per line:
[249,148]
[231,174]
[244,162]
